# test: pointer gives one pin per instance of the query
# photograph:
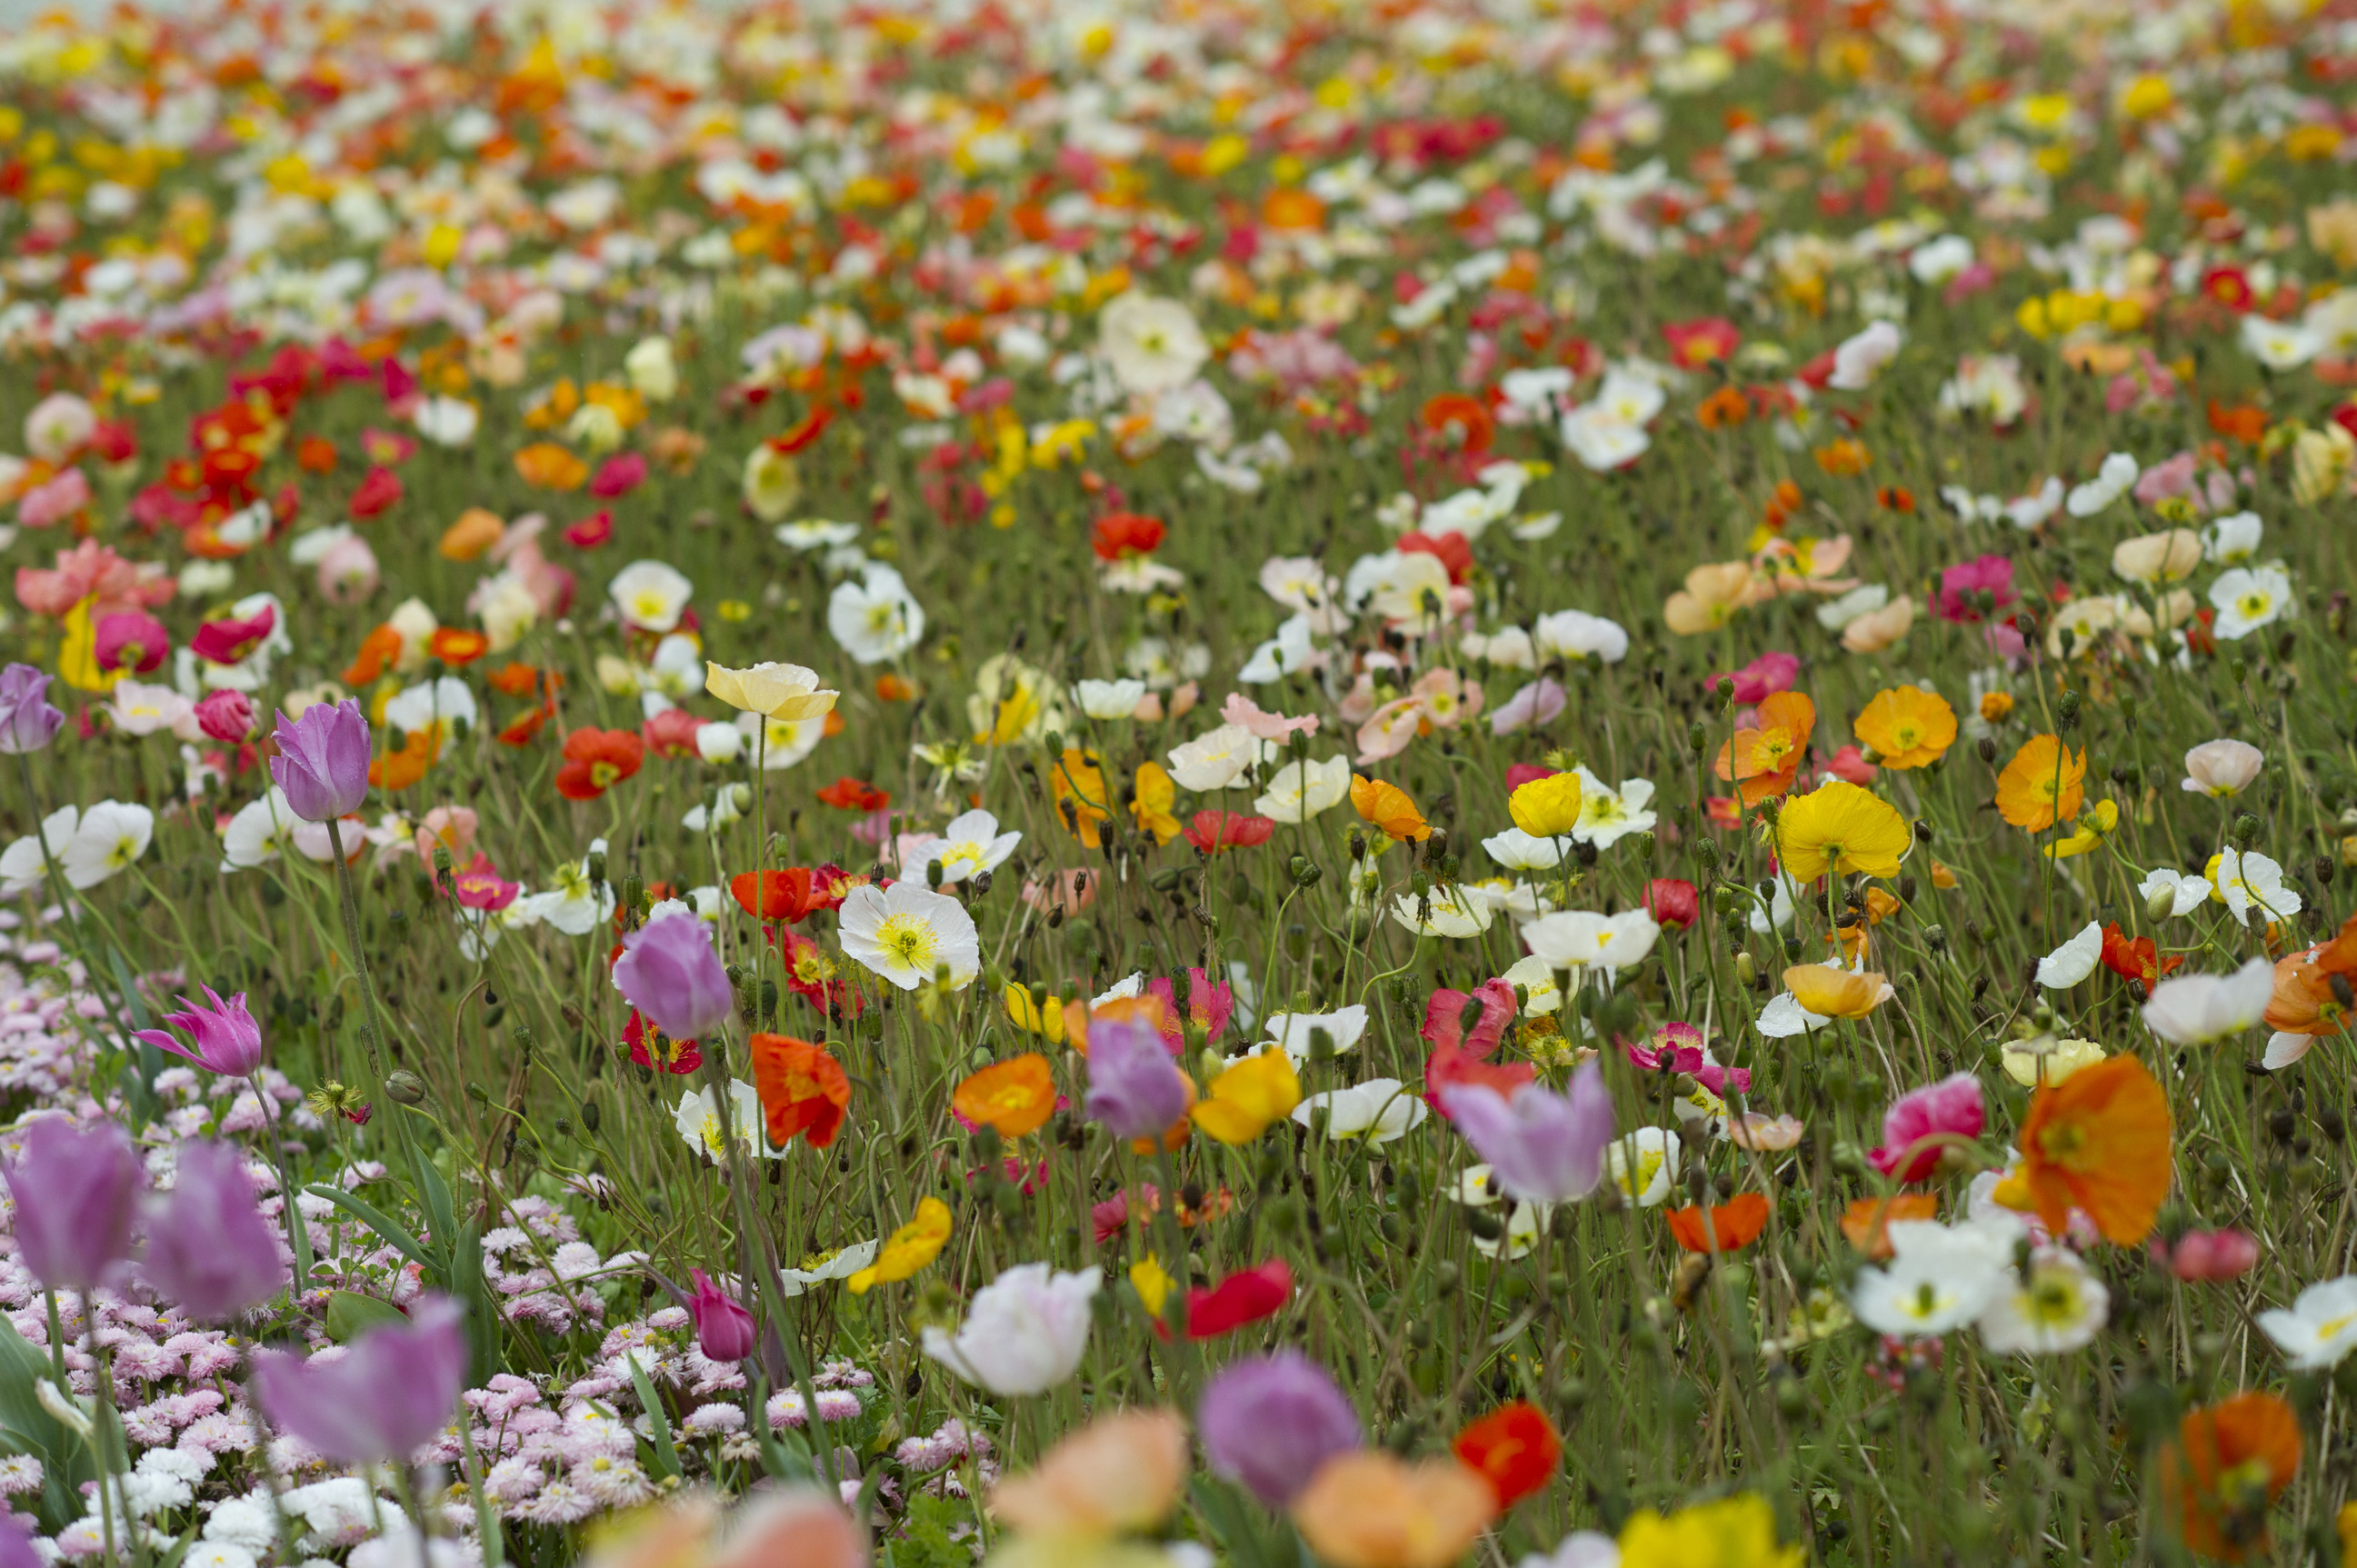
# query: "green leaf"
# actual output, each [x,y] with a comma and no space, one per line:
[351,1315]
[665,1463]
[28,1428]
[374,1219]
[486,1332]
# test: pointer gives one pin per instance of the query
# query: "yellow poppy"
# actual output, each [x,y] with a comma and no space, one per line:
[907,1250]
[1546,808]
[2044,784]
[1157,793]
[1841,828]
[1907,726]
[1249,1098]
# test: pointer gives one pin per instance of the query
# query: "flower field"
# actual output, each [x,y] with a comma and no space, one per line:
[1519,783]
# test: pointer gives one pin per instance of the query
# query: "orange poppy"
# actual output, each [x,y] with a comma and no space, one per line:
[1767,760]
[1015,1096]
[400,769]
[1723,409]
[1867,1221]
[525,727]
[457,646]
[1388,807]
[598,759]
[1475,429]
[2306,1000]
[1844,458]
[1516,1449]
[1077,784]
[1733,1225]
[1290,206]
[2229,1461]
[514,679]
[2246,423]
[474,534]
[802,1090]
[2098,1141]
[551,467]
[2042,785]
[1907,726]
[377,650]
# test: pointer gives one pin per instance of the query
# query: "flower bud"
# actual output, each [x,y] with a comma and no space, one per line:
[404,1088]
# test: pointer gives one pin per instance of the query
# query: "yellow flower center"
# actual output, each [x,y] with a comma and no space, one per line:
[909,942]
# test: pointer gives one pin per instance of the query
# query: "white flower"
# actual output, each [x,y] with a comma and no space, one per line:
[771,484]
[1216,759]
[651,594]
[876,618]
[1105,700]
[971,845]
[2074,961]
[1300,791]
[446,701]
[2249,597]
[1936,262]
[815,534]
[2184,893]
[1643,1164]
[2318,1328]
[1601,440]
[1582,939]
[1835,615]
[2111,482]
[2195,1009]
[1152,344]
[1606,815]
[2248,881]
[574,905]
[1518,850]
[109,838]
[1291,1031]
[1534,978]
[1398,584]
[1289,651]
[721,743]
[2279,345]
[446,420]
[697,1119]
[906,933]
[2233,540]
[839,1265]
[653,372]
[2059,1307]
[1939,1278]
[2222,767]
[1857,361]
[259,833]
[1444,912]
[59,426]
[141,709]
[22,867]
[1576,634]
[1381,1110]
[785,742]
[1024,1334]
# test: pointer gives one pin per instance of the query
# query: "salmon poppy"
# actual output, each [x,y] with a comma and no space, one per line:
[1015,1097]
[598,759]
[671,733]
[1766,760]
[803,1089]
[850,794]
[1907,726]
[1213,832]
[1733,1225]
[1241,1300]
[2230,1462]
[2098,1141]
[2044,784]
[1866,1223]
[1388,807]
[1515,1448]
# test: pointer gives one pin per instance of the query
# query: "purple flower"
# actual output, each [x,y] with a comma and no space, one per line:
[1543,1147]
[1134,1088]
[209,1249]
[29,722]
[1537,702]
[1952,1105]
[229,1041]
[76,1194]
[388,1394]
[323,760]
[724,1330]
[1993,573]
[669,972]
[1269,1422]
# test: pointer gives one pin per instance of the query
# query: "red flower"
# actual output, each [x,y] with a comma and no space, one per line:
[380,488]
[2230,287]
[1452,550]
[1118,536]
[792,894]
[591,530]
[1734,1225]
[650,1048]
[798,437]
[1673,901]
[1521,773]
[671,733]
[457,646]
[852,795]
[1444,411]
[598,759]
[1516,1449]
[227,641]
[803,1089]
[1244,1299]
[1693,344]
[1213,832]
[2136,958]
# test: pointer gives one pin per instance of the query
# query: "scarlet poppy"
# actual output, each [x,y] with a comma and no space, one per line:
[1445,411]
[379,490]
[798,437]
[513,679]
[598,759]
[1117,536]
[792,894]
[1241,1300]
[2136,958]
[379,649]
[803,1089]
[1515,1448]
[650,1048]
[1734,1225]
[850,794]
[1213,832]
[525,727]
[1450,549]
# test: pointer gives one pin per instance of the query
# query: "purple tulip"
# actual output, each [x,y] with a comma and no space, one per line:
[1269,1422]
[76,1194]
[29,721]
[229,1041]
[323,760]
[1133,1087]
[16,1549]
[724,1330]
[131,640]
[209,1249]
[669,972]
[386,1396]
[1543,1147]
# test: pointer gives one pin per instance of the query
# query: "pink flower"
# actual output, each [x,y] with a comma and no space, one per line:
[1239,709]
[1444,1017]
[619,476]
[1446,698]
[1952,1105]
[1850,763]
[2208,1254]
[1761,678]
[348,571]
[226,715]
[92,571]
[1993,573]
[1537,702]
[1389,729]
[51,502]
[450,826]
[1678,1048]
[1209,1006]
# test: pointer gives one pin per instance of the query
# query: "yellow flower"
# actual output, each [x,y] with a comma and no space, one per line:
[1157,793]
[1250,1096]
[1737,1533]
[1046,1020]
[1546,808]
[2028,1061]
[1152,1281]
[1842,828]
[1832,992]
[2092,829]
[784,691]
[907,1250]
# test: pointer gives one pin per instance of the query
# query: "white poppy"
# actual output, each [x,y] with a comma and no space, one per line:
[1381,1110]
[2249,881]
[2168,893]
[2248,598]
[2111,482]
[1300,791]
[907,933]
[23,869]
[970,847]
[697,1119]
[876,618]
[1216,759]
[827,1269]
[2198,1009]
[1291,1031]
[1582,939]
[2318,1328]
[1607,815]
[109,838]
[1107,700]
[1152,344]
[651,594]
[779,743]
[1643,1164]
[2074,961]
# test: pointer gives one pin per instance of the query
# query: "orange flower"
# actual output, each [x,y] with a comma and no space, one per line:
[1722,409]
[2246,423]
[400,769]
[1368,1509]
[1515,1448]
[457,646]
[2042,785]
[551,467]
[1015,1096]
[1713,594]
[475,531]
[379,649]
[1734,1225]
[802,1090]
[1290,206]
[1767,760]
[1389,808]
[1844,458]
[1995,707]
[1443,411]
[2229,1461]
[1867,1221]
[515,679]
[2098,1141]
[1077,784]
[1907,726]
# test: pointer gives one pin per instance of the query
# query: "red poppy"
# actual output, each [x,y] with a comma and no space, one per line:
[2136,958]
[795,437]
[1213,832]
[2246,423]
[854,795]
[803,1089]
[650,1048]
[525,727]
[1895,497]
[315,455]
[379,490]
[1118,536]
[457,646]
[2230,287]
[1673,901]
[1452,550]
[1444,412]
[591,530]
[1734,1225]
[671,733]
[1693,344]
[1451,1065]
[1516,1449]
[1244,1299]
[598,759]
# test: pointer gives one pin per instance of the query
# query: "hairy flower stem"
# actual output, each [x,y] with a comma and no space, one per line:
[63,895]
